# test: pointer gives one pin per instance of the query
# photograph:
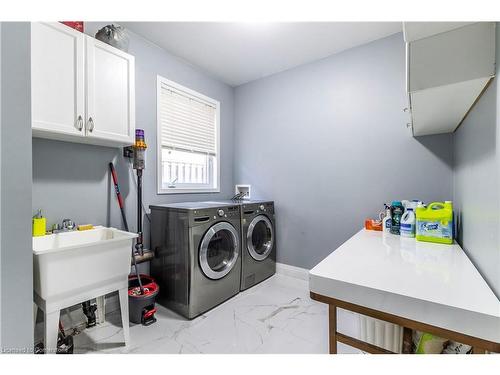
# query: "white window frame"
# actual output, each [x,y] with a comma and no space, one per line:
[185,190]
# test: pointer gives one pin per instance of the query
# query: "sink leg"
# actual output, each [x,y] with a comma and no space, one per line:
[51,331]
[101,313]
[35,313]
[123,294]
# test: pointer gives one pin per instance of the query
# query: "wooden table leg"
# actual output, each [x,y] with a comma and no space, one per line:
[407,341]
[332,326]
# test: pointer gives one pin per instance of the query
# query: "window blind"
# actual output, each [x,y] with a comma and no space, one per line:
[187,122]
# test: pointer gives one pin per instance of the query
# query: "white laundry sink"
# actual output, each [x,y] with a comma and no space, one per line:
[73,267]
[68,263]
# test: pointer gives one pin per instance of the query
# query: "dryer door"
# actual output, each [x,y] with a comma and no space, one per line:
[260,237]
[219,250]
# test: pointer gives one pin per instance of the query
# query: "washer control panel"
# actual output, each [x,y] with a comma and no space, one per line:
[212,214]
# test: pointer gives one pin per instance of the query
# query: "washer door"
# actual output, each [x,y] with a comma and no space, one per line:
[219,250]
[260,237]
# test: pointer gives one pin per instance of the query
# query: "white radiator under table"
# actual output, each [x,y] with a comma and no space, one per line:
[373,331]
[382,334]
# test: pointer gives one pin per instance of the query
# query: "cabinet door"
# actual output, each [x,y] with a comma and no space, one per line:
[110,93]
[57,79]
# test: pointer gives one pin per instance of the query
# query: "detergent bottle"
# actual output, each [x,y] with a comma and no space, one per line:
[411,204]
[396,213]
[435,223]
[407,227]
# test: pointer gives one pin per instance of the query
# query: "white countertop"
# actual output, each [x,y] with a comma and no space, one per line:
[432,283]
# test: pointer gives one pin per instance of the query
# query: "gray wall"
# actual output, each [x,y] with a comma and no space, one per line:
[0,183]
[72,180]
[328,142]
[16,285]
[476,182]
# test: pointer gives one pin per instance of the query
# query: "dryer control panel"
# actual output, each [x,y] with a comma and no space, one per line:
[251,209]
[215,214]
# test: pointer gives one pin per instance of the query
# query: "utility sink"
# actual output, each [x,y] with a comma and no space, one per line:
[73,267]
[69,262]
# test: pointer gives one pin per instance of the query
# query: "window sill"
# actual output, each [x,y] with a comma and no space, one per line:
[187,191]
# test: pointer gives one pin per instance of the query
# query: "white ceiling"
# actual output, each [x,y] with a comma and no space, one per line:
[242,52]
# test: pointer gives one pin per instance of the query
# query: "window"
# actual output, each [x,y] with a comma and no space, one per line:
[188,140]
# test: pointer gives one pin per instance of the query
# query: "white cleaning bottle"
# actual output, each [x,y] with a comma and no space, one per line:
[406,204]
[407,228]
[386,222]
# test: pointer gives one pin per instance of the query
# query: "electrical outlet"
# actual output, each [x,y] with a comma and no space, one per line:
[128,152]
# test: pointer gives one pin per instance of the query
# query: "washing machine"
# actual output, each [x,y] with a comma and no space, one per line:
[197,261]
[258,241]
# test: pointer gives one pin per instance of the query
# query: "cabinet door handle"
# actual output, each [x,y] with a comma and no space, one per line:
[90,124]
[79,123]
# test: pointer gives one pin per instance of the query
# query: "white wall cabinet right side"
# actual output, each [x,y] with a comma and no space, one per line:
[446,72]
[110,92]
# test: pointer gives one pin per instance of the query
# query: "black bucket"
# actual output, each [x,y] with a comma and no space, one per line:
[142,306]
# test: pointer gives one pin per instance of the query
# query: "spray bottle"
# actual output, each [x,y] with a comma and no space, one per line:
[386,222]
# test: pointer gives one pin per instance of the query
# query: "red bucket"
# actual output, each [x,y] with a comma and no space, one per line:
[142,306]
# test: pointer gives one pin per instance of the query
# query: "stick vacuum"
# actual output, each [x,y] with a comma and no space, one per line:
[142,299]
[124,217]
[139,165]
[142,306]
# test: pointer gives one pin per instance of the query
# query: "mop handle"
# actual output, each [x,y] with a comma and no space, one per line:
[118,195]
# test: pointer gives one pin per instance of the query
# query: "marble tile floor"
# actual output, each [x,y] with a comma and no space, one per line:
[276,316]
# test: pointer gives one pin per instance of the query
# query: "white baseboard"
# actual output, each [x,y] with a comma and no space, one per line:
[292,271]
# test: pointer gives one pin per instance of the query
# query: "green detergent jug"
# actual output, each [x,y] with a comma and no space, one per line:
[435,223]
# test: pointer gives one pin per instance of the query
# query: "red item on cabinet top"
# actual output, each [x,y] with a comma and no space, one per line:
[371,224]
[77,25]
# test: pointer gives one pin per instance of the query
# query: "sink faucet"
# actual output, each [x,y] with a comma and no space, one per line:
[66,226]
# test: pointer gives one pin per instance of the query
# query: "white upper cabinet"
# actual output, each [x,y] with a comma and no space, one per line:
[57,80]
[448,67]
[83,90]
[110,93]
